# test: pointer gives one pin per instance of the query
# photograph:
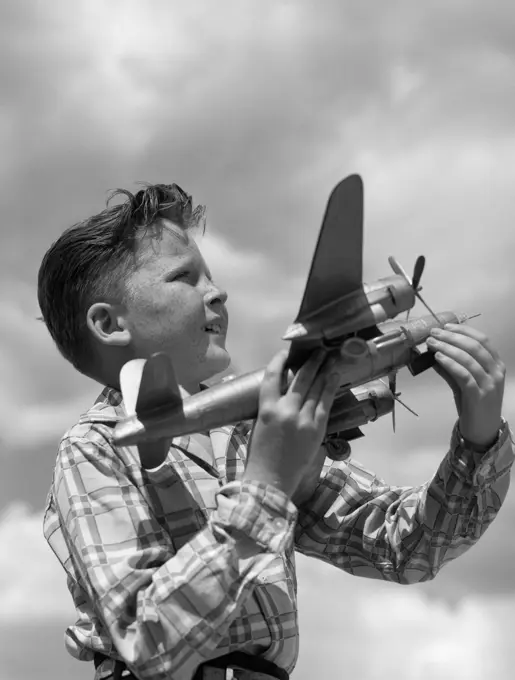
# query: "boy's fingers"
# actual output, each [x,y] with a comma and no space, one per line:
[325,391]
[460,374]
[471,368]
[473,333]
[315,393]
[461,345]
[273,378]
[305,376]
[448,377]
[327,397]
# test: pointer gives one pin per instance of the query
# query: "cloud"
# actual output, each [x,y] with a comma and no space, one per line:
[32,583]
[406,634]
[265,156]
[258,109]
[371,629]
[46,659]
[42,395]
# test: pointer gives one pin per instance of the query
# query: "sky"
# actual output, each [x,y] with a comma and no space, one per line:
[258,108]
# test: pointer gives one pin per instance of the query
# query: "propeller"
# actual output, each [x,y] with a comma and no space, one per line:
[418,270]
[414,282]
[392,386]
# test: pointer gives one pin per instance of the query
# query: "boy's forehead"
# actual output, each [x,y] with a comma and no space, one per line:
[167,242]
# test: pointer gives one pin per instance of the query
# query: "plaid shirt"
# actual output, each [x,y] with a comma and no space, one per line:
[159,564]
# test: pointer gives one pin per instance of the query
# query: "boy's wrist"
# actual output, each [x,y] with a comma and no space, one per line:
[480,447]
[257,472]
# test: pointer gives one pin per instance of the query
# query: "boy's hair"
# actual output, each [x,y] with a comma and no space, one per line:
[89,260]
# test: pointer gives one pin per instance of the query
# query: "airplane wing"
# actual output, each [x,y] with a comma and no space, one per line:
[337,265]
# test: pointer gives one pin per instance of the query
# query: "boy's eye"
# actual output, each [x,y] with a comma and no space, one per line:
[179,276]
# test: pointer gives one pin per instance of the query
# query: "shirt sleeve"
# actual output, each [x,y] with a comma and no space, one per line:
[166,611]
[361,525]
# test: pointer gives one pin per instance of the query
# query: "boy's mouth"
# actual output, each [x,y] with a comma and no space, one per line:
[215,328]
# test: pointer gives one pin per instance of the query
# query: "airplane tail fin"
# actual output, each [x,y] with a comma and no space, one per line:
[147,384]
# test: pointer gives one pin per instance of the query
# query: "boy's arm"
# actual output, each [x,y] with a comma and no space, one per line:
[356,522]
[166,611]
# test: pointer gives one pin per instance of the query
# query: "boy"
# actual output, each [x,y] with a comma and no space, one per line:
[176,573]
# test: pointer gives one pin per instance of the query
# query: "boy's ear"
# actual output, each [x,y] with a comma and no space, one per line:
[108,325]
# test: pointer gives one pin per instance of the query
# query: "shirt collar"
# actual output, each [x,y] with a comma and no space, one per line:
[108,408]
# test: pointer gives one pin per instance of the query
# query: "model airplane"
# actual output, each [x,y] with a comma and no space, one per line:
[338,311]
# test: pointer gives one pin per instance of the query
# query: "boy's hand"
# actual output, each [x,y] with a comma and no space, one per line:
[472,368]
[291,424]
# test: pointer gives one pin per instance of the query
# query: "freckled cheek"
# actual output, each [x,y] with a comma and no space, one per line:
[177,320]
[183,330]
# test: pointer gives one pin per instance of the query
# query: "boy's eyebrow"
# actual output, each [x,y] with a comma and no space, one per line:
[176,231]
[179,262]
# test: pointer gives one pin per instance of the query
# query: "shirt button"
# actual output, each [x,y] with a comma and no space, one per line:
[279,524]
[484,469]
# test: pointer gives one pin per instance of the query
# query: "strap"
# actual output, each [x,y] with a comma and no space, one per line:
[248,663]
[239,659]
[119,666]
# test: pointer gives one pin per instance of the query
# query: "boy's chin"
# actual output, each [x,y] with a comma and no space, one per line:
[216,363]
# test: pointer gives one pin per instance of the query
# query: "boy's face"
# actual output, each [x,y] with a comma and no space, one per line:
[173,306]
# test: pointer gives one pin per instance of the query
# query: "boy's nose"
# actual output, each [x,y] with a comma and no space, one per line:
[217,296]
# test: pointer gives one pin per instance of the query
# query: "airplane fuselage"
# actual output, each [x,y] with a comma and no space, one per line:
[237,399]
